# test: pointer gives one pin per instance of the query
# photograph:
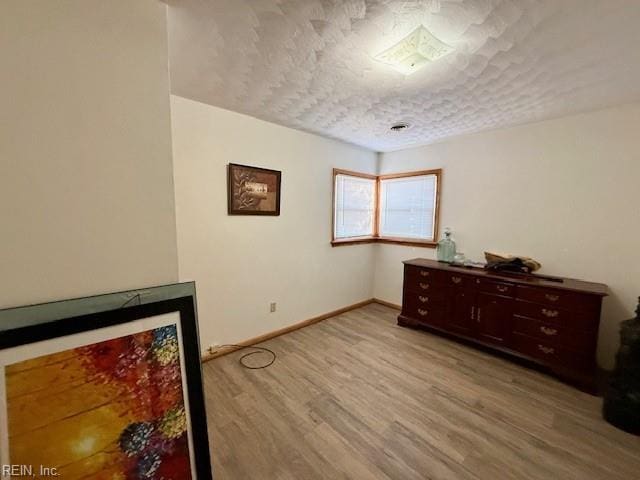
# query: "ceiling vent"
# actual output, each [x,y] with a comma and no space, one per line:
[399,127]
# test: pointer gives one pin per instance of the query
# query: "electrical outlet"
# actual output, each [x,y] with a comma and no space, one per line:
[213,348]
[272,307]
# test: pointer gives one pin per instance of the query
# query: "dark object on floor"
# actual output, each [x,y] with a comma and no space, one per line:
[256,351]
[622,400]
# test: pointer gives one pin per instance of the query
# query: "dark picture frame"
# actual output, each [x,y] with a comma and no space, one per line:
[253,190]
[196,428]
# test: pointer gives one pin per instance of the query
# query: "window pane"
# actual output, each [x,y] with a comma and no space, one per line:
[407,207]
[354,208]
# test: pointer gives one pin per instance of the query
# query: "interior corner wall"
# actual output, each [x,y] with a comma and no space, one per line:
[86,185]
[243,263]
[563,191]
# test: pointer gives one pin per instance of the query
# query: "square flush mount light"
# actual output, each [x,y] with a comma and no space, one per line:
[414,51]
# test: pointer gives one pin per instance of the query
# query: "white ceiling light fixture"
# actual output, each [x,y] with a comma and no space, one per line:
[414,51]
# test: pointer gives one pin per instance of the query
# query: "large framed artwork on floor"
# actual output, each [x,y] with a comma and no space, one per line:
[113,394]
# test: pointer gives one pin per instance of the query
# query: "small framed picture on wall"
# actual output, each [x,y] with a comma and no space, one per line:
[253,190]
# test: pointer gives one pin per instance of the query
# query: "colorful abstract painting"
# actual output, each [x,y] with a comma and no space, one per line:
[109,410]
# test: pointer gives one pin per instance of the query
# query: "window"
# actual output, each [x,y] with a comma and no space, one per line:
[354,205]
[398,208]
[408,207]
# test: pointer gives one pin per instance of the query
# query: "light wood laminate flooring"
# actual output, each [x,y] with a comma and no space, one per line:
[358,397]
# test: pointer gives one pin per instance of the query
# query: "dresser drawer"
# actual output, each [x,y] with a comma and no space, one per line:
[547,352]
[559,298]
[552,354]
[575,320]
[548,332]
[422,286]
[421,279]
[429,315]
[436,296]
[418,273]
[576,340]
[497,288]
[458,280]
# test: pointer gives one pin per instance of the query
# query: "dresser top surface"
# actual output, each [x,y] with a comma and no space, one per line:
[533,280]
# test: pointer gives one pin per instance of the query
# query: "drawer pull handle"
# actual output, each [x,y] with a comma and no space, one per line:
[424,286]
[550,313]
[423,299]
[456,279]
[549,331]
[424,273]
[546,350]
[551,297]
[502,288]
[422,312]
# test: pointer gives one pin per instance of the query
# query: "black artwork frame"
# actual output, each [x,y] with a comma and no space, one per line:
[190,347]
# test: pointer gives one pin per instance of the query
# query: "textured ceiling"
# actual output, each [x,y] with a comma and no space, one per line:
[308,64]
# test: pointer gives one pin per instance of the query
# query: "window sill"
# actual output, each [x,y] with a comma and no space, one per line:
[408,242]
[394,241]
[339,242]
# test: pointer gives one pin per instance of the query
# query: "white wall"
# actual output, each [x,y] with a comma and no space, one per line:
[86,193]
[562,191]
[242,263]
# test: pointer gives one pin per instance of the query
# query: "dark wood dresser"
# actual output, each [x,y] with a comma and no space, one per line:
[551,321]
